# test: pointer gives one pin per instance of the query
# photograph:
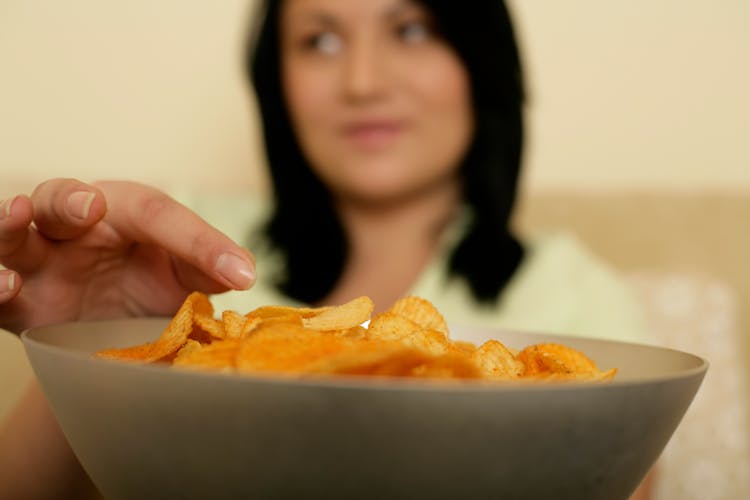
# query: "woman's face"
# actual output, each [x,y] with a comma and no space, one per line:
[380,103]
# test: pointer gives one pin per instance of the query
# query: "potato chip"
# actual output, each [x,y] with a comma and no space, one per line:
[266,312]
[234,324]
[358,332]
[392,326]
[495,361]
[408,340]
[349,315]
[555,362]
[221,354]
[285,347]
[464,346]
[370,358]
[447,366]
[172,338]
[390,359]
[421,312]
[554,358]
[189,347]
[209,325]
[252,323]
[272,326]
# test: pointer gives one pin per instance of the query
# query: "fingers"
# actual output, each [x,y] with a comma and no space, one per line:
[63,209]
[15,217]
[194,279]
[66,208]
[60,209]
[146,215]
[21,247]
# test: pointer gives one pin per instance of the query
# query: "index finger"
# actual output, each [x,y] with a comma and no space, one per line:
[146,215]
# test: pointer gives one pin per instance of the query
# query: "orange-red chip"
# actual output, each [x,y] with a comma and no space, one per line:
[172,338]
[410,339]
[421,312]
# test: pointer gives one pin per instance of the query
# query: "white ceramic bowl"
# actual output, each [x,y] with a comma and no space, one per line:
[160,432]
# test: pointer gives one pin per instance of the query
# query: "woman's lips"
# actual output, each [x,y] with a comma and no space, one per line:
[373,134]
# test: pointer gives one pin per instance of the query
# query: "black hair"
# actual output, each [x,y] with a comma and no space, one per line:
[304,225]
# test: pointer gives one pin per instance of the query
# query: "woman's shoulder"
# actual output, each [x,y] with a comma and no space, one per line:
[571,288]
[559,259]
[560,287]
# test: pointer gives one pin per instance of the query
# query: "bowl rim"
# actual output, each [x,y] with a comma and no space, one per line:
[368,382]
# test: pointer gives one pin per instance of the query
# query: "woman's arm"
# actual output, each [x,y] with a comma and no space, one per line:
[646,488]
[35,458]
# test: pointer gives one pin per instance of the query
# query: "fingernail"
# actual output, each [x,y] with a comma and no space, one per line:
[10,283]
[79,204]
[236,270]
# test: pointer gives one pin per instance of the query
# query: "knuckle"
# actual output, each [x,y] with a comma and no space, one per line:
[202,247]
[153,205]
[54,186]
[50,199]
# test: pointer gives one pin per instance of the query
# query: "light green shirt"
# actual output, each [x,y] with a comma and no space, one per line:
[560,287]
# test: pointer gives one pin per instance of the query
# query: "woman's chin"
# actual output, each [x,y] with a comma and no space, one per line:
[382,195]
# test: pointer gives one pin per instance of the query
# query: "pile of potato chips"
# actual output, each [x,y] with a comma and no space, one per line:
[408,340]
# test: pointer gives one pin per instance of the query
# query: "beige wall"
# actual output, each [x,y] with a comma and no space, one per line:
[623,95]
[638,95]
[146,90]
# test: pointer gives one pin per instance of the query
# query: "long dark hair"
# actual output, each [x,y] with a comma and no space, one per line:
[304,225]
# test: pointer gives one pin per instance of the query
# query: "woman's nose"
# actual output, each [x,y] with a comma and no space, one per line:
[365,75]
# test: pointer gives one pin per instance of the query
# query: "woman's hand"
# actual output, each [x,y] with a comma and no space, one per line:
[79,251]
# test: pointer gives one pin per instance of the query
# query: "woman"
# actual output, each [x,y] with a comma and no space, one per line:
[382,110]
[393,130]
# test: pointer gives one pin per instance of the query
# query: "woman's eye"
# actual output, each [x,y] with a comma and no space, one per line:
[325,43]
[414,31]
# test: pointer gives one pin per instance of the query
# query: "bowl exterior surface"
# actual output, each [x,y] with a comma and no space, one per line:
[159,432]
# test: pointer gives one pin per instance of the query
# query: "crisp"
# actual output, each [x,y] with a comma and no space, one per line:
[410,339]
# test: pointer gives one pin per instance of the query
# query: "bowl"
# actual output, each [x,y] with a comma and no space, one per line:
[153,431]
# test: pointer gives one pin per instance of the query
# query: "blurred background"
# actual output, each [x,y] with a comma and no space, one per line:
[639,95]
[638,133]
